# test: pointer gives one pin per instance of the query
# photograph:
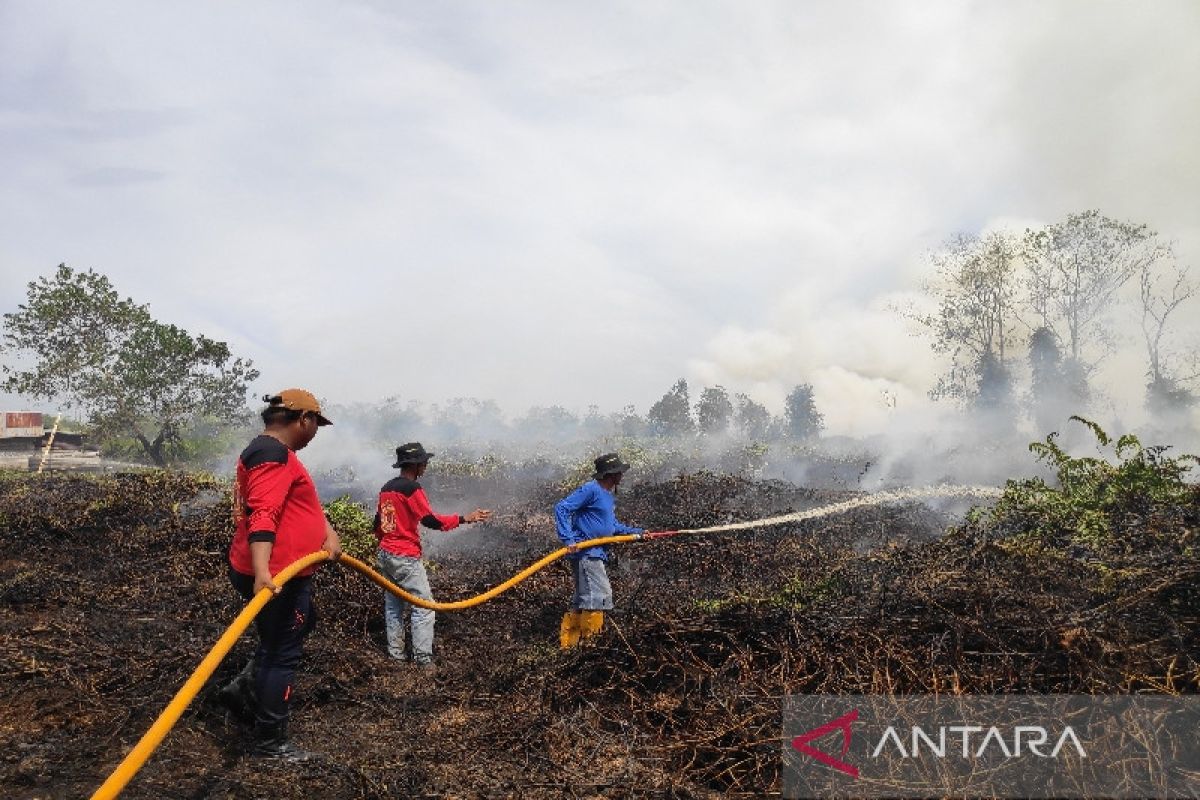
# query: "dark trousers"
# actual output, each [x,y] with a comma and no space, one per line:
[282,626]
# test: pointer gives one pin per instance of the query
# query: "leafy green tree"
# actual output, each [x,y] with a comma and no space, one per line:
[995,384]
[714,411]
[627,422]
[77,341]
[1053,394]
[390,421]
[672,414]
[593,423]
[547,423]
[976,287]
[800,415]
[463,419]
[201,443]
[1168,399]
[752,419]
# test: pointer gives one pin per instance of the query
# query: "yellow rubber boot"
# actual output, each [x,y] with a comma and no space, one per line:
[569,631]
[590,623]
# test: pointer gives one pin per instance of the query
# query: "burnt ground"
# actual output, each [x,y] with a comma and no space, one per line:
[113,589]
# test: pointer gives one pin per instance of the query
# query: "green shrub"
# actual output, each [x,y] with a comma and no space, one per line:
[1096,498]
[355,525]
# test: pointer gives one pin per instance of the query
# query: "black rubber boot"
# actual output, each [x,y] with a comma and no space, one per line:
[271,741]
[238,695]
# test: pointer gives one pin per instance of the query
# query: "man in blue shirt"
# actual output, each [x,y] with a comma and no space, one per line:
[589,512]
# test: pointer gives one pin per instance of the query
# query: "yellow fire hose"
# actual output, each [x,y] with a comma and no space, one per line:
[170,715]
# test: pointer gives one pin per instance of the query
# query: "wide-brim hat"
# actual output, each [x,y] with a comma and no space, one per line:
[608,464]
[411,453]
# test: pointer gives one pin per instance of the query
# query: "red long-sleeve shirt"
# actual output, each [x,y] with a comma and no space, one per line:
[403,506]
[275,500]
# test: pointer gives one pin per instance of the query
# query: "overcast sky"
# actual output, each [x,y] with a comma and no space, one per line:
[575,202]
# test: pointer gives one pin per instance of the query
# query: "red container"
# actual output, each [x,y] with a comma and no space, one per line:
[22,423]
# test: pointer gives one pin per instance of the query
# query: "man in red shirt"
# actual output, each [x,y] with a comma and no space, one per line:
[279,519]
[403,507]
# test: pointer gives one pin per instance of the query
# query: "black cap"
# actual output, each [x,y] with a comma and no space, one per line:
[411,453]
[609,463]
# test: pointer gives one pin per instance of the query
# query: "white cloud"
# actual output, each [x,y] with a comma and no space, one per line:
[566,203]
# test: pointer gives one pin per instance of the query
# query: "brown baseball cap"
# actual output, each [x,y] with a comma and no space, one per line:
[299,400]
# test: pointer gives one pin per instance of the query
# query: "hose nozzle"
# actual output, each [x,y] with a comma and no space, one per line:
[656,534]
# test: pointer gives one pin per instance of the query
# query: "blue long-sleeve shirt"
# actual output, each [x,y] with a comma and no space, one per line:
[587,513]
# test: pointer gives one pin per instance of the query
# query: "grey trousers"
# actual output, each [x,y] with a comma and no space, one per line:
[593,592]
[409,574]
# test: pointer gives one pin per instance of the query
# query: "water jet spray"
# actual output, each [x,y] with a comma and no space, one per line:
[166,720]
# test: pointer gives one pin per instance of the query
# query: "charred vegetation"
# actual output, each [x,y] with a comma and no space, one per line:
[113,588]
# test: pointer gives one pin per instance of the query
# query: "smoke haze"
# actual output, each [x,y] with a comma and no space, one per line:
[576,204]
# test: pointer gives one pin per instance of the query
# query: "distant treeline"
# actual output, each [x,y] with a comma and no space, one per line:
[1024,320]
[713,414]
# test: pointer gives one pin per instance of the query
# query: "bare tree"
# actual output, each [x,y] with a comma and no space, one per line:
[1076,268]
[1165,286]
